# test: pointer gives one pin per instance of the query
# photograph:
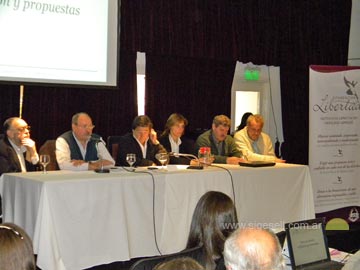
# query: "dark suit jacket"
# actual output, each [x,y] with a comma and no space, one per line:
[186,147]
[128,144]
[9,161]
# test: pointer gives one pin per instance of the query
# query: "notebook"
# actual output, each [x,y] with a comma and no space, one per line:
[257,164]
[308,248]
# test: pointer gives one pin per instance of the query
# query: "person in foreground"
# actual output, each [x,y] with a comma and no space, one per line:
[182,263]
[253,249]
[222,145]
[212,222]
[16,250]
[142,142]
[172,141]
[17,150]
[79,149]
[255,144]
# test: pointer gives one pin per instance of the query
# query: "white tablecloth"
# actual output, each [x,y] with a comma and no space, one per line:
[81,219]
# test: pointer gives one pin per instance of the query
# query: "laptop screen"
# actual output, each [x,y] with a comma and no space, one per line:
[307,242]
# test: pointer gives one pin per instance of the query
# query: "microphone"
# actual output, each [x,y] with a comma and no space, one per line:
[97,140]
[195,167]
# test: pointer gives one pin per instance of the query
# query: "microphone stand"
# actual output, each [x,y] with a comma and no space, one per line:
[194,167]
[102,169]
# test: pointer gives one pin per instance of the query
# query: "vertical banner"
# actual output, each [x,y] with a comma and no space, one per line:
[334,141]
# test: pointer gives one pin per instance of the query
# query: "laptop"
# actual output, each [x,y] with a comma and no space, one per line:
[307,244]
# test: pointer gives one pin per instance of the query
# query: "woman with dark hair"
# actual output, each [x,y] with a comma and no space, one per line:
[16,251]
[214,219]
[243,121]
[172,139]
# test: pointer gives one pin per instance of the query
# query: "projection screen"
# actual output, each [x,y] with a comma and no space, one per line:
[59,41]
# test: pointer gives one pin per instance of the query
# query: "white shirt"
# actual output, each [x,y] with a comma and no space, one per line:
[175,146]
[20,154]
[143,147]
[63,155]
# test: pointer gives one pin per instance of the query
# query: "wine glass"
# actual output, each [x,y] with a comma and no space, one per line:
[44,161]
[131,159]
[162,157]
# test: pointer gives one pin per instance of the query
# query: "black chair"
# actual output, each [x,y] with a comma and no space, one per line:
[112,144]
[196,253]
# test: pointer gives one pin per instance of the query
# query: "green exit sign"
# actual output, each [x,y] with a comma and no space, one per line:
[251,75]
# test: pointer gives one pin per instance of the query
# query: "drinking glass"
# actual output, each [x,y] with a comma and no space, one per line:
[44,161]
[131,159]
[162,157]
[204,156]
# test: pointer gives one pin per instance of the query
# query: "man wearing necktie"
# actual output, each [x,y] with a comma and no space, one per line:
[255,144]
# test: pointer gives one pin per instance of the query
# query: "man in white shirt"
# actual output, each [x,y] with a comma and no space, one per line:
[79,149]
[255,144]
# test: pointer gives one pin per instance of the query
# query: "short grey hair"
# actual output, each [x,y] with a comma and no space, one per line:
[237,257]
[75,118]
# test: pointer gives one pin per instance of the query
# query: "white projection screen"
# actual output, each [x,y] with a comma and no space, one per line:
[59,41]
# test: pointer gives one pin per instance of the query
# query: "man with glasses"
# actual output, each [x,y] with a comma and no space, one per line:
[17,151]
[80,149]
[255,144]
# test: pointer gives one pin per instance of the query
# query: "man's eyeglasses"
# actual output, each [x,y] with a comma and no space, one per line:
[86,126]
[22,129]
[11,229]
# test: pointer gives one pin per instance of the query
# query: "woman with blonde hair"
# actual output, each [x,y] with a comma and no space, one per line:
[172,139]
[16,250]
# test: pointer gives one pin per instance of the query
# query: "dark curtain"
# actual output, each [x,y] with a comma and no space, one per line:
[196,88]
[192,47]
[9,102]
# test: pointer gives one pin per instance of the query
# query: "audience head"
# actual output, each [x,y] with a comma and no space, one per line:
[175,125]
[141,127]
[254,125]
[253,249]
[243,121]
[212,222]
[16,251]
[182,263]
[16,129]
[220,127]
[82,126]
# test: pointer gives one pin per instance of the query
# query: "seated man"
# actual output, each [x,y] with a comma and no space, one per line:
[142,142]
[255,144]
[79,149]
[222,145]
[17,151]
[253,248]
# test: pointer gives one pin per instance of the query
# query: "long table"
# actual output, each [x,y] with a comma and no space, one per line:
[82,219]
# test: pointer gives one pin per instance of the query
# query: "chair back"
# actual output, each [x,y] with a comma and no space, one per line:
[48,148]
[197,253]
[113,145]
